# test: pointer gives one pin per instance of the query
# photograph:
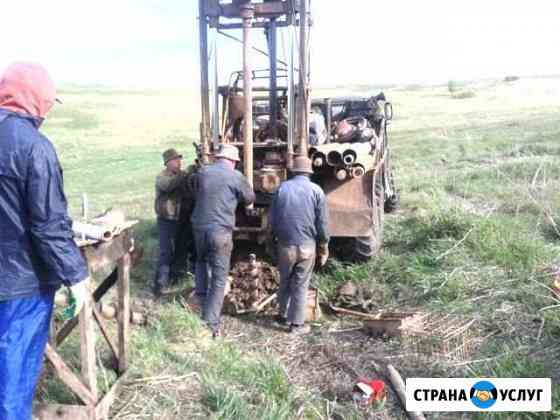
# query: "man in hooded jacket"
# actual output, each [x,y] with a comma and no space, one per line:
[37,250]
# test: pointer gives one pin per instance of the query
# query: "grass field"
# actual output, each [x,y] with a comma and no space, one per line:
[478,174]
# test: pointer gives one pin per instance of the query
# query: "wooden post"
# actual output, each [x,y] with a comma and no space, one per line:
[124,310]
[87,348]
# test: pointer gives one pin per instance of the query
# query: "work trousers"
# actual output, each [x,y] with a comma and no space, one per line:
[213,253]
[295,264]
[167,236]
[185,249]
[24,330]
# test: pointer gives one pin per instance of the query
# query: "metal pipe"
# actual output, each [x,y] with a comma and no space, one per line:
[247,13]
[334,158]
[254,48]
[204,99]
[318,160]
[358,171]
[341,174]
[349,157]
[272,41]
[303,96]
[216,98]
[328,105]
[291,104]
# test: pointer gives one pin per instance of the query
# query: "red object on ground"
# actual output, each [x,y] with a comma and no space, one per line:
[370,392]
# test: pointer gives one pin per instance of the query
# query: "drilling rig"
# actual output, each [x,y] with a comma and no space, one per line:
[269,115]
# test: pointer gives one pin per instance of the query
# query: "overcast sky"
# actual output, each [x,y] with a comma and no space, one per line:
[154,42]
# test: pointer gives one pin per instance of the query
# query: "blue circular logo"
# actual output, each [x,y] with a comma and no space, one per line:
[484,394]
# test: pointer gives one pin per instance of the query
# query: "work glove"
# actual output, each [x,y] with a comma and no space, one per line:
[79,295]
[323,254]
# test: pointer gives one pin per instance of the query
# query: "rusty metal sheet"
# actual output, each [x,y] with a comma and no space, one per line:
[350,206]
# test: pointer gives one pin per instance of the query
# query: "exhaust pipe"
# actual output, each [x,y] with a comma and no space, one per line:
[341,174]
[334,158]
[358,171]
[349,157]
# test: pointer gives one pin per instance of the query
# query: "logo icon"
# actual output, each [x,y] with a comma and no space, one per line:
[483,394]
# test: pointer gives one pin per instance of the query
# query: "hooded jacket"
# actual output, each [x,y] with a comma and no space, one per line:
[37,250]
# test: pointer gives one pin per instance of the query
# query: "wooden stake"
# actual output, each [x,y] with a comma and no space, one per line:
[124,311]
[87,348]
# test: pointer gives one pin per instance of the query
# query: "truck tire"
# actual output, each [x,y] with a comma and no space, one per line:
[392,199]
[367,247]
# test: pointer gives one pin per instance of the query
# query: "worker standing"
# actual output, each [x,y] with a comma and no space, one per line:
[37,250]
[298,218]
[171,189]
[219,188]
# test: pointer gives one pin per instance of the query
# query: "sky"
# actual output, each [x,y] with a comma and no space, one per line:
[154,43]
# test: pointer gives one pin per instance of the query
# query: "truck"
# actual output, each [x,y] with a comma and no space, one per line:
[269,115]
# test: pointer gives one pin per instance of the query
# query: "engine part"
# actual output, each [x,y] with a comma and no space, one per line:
[344,131]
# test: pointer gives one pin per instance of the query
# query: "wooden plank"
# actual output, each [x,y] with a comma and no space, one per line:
[52,333]
[68,377]
[87,348]
[124,311]
[97,295]
[102,409]
[105,331]
[61,412]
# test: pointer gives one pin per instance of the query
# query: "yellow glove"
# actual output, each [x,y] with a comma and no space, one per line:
[323,253]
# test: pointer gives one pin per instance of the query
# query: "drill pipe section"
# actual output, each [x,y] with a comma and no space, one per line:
[349,157]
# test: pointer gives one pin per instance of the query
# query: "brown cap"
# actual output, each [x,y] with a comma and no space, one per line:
[170,154]
[302,165]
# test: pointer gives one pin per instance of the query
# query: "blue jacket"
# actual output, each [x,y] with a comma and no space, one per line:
[218,190]
[298,214]
[37,250]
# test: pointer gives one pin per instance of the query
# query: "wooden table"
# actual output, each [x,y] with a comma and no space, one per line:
[84,385]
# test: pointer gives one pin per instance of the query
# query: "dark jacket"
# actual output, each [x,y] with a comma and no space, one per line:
[171,190]
[298,214]
[218,191]
[37,250]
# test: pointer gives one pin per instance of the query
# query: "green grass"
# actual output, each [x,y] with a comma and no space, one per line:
[475,176]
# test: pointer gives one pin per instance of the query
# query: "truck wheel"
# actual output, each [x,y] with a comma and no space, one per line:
[366,247]
[392,199]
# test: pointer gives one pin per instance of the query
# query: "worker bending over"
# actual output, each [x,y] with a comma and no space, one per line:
[37,249]
[298,218]
[218,188]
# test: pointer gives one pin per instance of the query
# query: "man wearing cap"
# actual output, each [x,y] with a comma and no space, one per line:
[171,189]
[218,188]
[298,217]
[37,250]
